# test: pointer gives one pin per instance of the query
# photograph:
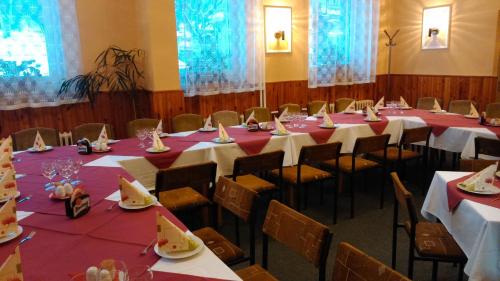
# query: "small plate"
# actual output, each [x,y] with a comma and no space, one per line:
[318,115]
[217,140]
[491,190]
[326,127]
[163,135]
[13,235]
[275,133]
[368,120]
[53,196]
[438,112]
[135,207]
[152,150]
[207,130]
[101,151]
[110,141]
[47,148]
[470,117]
[8,198]
[183,254]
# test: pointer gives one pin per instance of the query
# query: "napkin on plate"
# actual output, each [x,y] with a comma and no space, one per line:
[370,115]
[351,108]
[6,146]
[132,195]
[102,141]
[252,116]
[283,114]
[280,129]
[379,104]
[8,184]
[327,121]
[321,111]
[8,218]
[478,181]
[402,102]
[159,128]
[11,268]
[223,136]
[473,111]
[39,144]
[436,106]
[157,143]
[208,123]
[5,163]
[170,238]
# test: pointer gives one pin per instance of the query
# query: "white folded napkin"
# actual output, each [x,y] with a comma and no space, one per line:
[208,123]
[8,184]
[6,147]
[223,136]
[159,128]
[157,143]
[8,217]
[5,163]
[252,116]
[327,121]
[171,238]
[39,144]
[473,111]
[436,106]
[11,268]
[280,129]
[379,104]
[133,195]
[283,114]
[102,141]
[351,108]
[478,181]
[321,111]
[402,102]
[370,115]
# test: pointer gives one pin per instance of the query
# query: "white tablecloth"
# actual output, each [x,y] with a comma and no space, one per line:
[475,227]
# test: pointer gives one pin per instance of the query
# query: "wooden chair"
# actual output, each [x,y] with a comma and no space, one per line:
[304,173]
[24,139]
[428,241]
[308,238]
[240,201]
[352,264]
[486,146]
[460,106]
[186,188]
[138,124]
[354,163]
[226,118]
[342,103]
[91,131]
[65,139]
[427,103]
[314,106]
[262,114]
[292,107]
[493,110]
[186,122]
[475,165]
[361,104]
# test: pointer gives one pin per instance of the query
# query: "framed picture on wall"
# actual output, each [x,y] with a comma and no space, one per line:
[278,29]
[436,27]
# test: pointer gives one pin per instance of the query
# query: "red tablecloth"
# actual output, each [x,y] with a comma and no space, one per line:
[455,195]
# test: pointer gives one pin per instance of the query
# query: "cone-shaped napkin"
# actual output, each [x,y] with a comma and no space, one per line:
[370,115]
[39,144]
[351,107]
[473,111]
[159,128]
[327,121]
[283,114]
[223,136]
[379,104]
[8,218]
[5,164]
[11,269]
[280,129]
[8,184]
[252,116]
[133,195]
[403,103]
[436,106]
[157,143]
[6,146]
[321,111]
[103,136]
[208,123]
[478,181]
[170,238]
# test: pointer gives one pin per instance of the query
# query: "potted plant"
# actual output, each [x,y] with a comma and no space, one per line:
[117,71]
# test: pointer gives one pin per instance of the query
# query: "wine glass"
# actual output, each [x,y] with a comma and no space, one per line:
[303,117]
[76,165]
[141,135]
[49,171]
[149,137]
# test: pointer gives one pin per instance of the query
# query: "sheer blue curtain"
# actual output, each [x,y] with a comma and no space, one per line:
[39,48]
[343,39]
[220,46]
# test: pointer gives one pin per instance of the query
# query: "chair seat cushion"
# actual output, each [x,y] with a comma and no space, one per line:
[255,183]
[219,245]
[307,174]
[182,198]
[393,154]
[345,164]
[433,240]
[255,273]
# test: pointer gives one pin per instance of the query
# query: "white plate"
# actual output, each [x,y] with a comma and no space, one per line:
[490,190]
[152,150]
[438,112]
[134,207]
[47,148]
[163,135]
[207,130]
[110,141]
[183,254]
[470,117]
[101,151]
[13,235]
[217,140]
[275,133]
[326,127]
[8,198]
[318,115]
[368,120]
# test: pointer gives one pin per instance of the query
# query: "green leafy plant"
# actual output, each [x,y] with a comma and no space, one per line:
[117,71]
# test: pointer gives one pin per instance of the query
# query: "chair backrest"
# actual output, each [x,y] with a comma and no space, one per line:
[186,122]
[226,118]
[404,198]
[493,110]
[352,264]
[235,198]
[361,104]
[65,139]
[91,131]
[427,103]
[262,114]
[318,153]
[292,107]
[199,177]
[138,124]
[460,106]
[314,106]
[24,139]
[486,146]
[475,165]
[305,236]
[414,135]
[370,144]
[258,163]
[342,103]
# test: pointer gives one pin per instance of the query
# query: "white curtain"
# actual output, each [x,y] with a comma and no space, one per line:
[220,45]
[343,39]
[39,48]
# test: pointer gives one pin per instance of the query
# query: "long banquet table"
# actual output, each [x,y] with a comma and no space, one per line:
[63,247]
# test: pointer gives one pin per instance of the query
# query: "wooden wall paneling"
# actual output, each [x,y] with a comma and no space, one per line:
[167,104]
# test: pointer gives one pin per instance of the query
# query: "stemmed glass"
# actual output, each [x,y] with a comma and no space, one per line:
[141,135]
[49,171]
[64,169]
[76,165]
[149,139]
[303,117]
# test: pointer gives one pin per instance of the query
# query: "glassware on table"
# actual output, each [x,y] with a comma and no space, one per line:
[141,135]
[77,164]
[303,117]
[49,171]
[149,137]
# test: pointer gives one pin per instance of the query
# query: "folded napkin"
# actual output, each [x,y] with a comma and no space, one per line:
[157,143]
[283,114]
[327,121]
[322,110]
[223,136]
[170,238]
[39,144]
[159,128]
[478,181]
[132,195]
[402,102]
[8,184]
[251,117]
[436,106]
[6,146]
[8,218]
[102,141]
[280,129]
[370,115]
[379,104]
[473,111]
[5,164]
[11,269]
[351,107]
[208,123]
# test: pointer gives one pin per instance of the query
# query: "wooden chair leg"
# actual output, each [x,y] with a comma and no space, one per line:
[321,193]
[411,259]
[306,196]
[351,183]
[461,271]
[435,265]
[382,187]
[335,199]
[237,230]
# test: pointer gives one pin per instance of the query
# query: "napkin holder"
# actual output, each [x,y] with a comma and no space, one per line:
[83,146]
[78,204]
